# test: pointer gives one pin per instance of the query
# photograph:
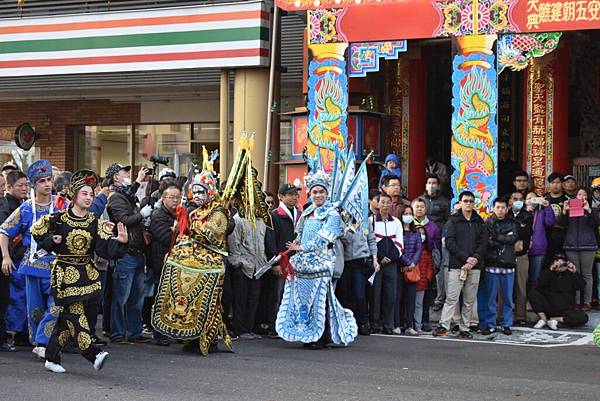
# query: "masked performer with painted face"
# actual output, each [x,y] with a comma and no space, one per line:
[188,304]
[74,235]
[188,301]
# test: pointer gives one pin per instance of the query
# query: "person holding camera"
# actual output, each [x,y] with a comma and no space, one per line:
[580,242]
[543,220]
[128,275]
[554,297]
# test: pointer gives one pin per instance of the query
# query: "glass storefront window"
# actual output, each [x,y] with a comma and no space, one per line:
[168,140]
[285,140]
[206,132]
[100,146]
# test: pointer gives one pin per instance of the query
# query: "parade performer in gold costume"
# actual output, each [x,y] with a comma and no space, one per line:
[188,302]
[74,235]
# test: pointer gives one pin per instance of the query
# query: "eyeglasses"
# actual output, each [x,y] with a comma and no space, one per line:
[468,201]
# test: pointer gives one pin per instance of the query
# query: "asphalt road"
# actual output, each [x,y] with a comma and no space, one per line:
[372,368]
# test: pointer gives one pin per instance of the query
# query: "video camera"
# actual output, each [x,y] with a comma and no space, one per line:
[158,159]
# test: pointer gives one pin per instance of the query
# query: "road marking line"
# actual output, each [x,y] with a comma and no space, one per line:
[582,341]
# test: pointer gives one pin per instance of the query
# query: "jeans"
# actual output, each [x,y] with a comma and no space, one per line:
[405,302]
[384,297]
[107,298]
[456,286]
[440,280]
[536,265]
[584,260]
[419,309]
[352,288]
[128,297]
[494,283]
[481,305]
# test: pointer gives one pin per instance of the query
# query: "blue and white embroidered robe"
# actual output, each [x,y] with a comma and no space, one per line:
[301,316]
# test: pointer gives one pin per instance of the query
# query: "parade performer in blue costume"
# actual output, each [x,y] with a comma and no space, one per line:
[35,265]
[310,312]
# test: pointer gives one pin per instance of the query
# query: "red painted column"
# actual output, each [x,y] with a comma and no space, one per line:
[546,117]
[417,141]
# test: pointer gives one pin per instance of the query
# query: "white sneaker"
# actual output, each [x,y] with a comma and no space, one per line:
[553,324]
[411,332]
[40,352]
[539,324]
[397,330]
[100,359]
[54,367]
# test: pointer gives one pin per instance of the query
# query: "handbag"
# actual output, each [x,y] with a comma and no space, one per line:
[413,276]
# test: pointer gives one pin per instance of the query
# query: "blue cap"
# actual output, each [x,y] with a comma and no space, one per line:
[38,170]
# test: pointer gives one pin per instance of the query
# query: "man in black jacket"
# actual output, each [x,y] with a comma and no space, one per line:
[284,220]
[466,242]
[500,263]
[524,219]
[13,311]
[128,275]
[162,228]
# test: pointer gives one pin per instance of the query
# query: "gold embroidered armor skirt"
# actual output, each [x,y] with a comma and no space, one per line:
[188,300]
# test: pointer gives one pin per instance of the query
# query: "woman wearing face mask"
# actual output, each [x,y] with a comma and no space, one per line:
[438,206]
[525,221]
[426,270]
[406,293]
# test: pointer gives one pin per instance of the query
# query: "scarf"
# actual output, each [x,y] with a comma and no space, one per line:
[125,191]
[33,244]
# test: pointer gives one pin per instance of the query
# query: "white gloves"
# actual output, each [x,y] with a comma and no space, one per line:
[146,211]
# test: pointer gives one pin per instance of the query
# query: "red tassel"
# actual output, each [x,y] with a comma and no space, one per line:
[286,267]
[60,202]
[182,219]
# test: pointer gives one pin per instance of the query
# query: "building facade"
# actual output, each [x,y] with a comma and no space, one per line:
[166,78]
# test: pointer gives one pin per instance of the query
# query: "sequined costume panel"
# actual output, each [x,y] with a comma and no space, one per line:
[188,301]
[301,316]
[71,323]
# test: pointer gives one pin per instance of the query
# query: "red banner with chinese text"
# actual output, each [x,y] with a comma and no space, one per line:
[540,124]
[379,20]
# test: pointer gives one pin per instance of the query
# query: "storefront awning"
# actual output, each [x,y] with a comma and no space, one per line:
[229,35]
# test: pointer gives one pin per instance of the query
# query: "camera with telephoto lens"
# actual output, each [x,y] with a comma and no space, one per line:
[158,159]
